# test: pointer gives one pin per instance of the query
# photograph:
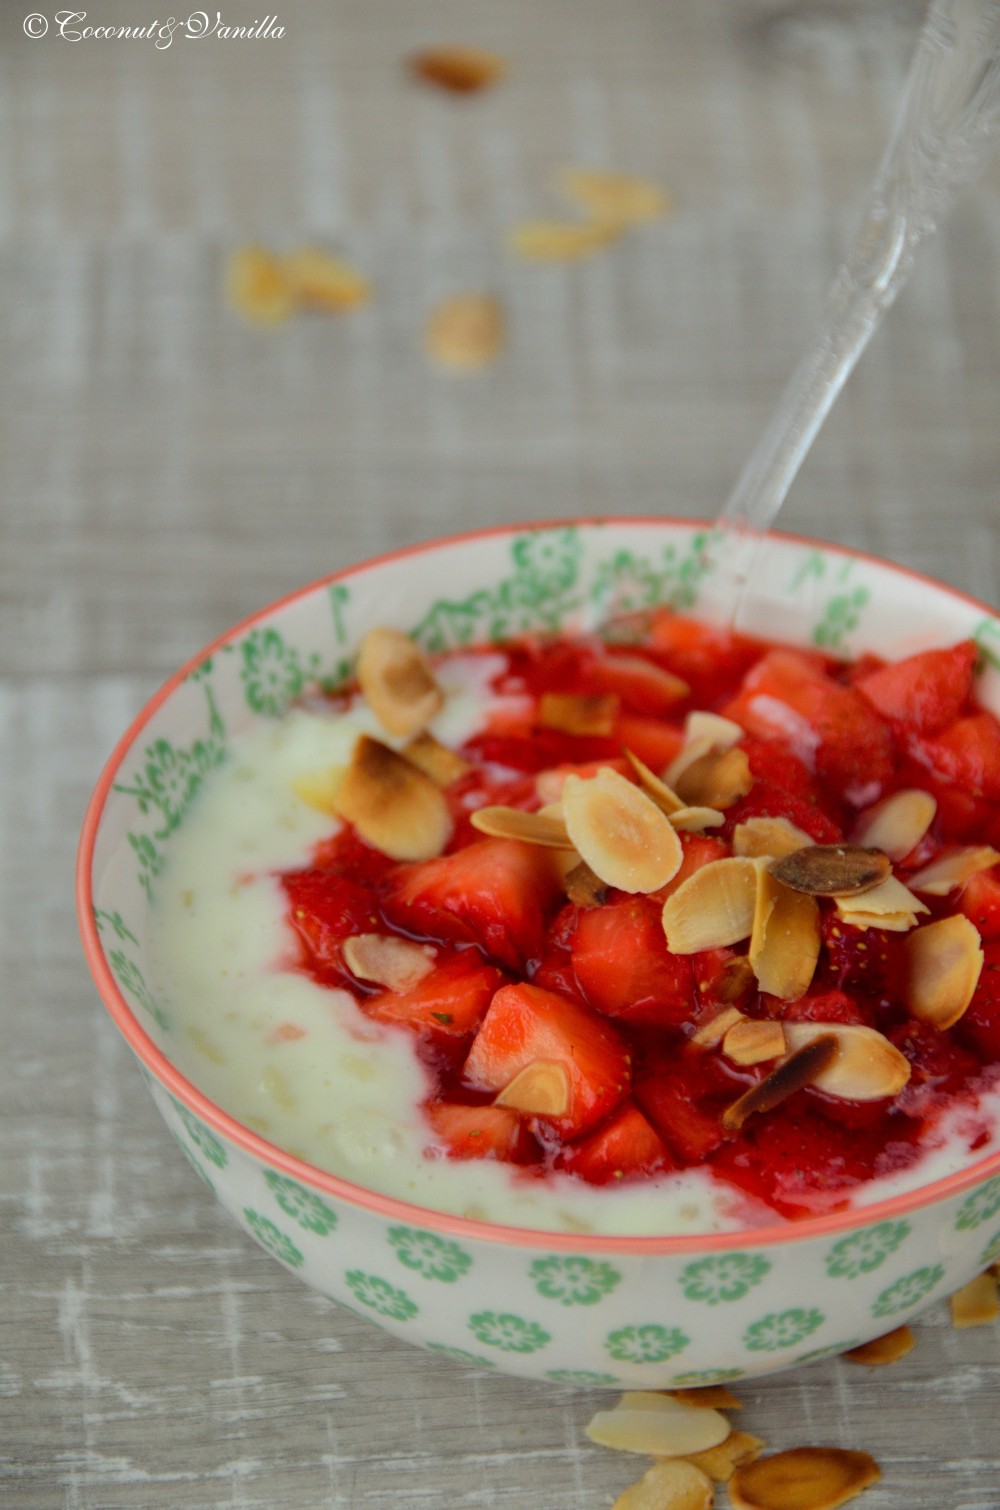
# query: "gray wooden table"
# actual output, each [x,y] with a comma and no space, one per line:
[166,469]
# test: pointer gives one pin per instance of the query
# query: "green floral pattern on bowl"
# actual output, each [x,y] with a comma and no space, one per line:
[865,1251]
[273,1239]
[782,1329]
[715,1280]
[509,1333]
[979,1206]
[428,1255]
[310,1211]
[649,1343]
[573,1281]
[907,1293]
[370,1290]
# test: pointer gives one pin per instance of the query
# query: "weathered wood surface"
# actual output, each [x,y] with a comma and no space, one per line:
[166,469]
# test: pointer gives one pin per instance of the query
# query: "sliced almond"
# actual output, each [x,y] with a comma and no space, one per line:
[717,779]
[397,682]
[383,958]
[802,1067]
[715,1029]
[442,765]
[258,286]
[721,732]
[459,70]
[721,1462]
[620,832]
[541,1089]
[583,887]
[804,1478]
[617,197]
[754,1041]
[866,1067]
[943,965]
[897,823]
[394,807]
[320,281]
[832,870]
[657,1424]
[951,870]
[666,800]
[708,1396]
[319,789]
[675,1484]
[735,980]
[514,823]
[977,1303]
[695,820]
[668,687]
[888,1348]
[465,331]
[561,240]
[890,905]
[770,837]
[712,908]
[575,713]
[786,938]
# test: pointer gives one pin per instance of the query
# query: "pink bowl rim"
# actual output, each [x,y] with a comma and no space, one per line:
[391,1207]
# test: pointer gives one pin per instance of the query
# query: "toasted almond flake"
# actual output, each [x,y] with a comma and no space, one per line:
[675,1484]
[866,1067]
[574,713]
[583,887]
[695,820]
[897,823]
[258,286]
[658,1424]
[690,753]
[442,765]
[320,281]
[717,779]
[708,1396]
[561,240]
[670,687]
[712,908]
[977,1303]
[943,965]
[804,1478]
[319,789]
[459,70]
[530,828]
[541,1089]
[397,681]
[768,837]
[394,806]
[786,938]
[398,964]
[721,1462]
[888,1348]
[890,905]
[715,1029]
[722,732]
[617,197]
[754,1041]
[832,870]
[666,800]
[802,1067]
[949,871]
[620,832]
[465,331]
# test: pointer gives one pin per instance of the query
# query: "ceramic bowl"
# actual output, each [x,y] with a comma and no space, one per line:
[635,1312]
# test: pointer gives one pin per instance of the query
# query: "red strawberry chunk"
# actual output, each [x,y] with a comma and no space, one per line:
[710,659]
[624,968]
[449,1000]
[324,910]
[862,959]
[766,800]
[656,744]
[525,1024]
[825,1006]
[798,1161]
[967,753]
[481,1132]
[980,1024]
[722,978]
[642,686]
[497,893]
[925,692]
[940,1068]
[624,1147]
[682,1100]
[698,850]
[980,901]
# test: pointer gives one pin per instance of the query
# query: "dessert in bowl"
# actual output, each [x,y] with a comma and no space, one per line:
[519,998]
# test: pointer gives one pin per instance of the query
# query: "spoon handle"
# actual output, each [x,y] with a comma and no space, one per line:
[949,115]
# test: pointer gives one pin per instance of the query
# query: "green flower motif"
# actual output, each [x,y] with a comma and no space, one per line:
[461,1354]
[309,1210]
[781,1329]
[628,583]
[854,1256]
[431,1256]
[195,1164]
[117,922]
[381,1296]
[842,615]
[275,1241]
[203,1138]
[272,674]
[980,1206]
[131,980]
[583,1376]
[719,1279]
[151,861]
[508,1333]
[645,1344]
[991,1253]
[547,563]
[706,1376]
[908,1291]
[573,1281]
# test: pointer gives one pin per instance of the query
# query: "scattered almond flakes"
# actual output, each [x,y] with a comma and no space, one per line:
[666,800]
[786,937]
[620,832]
[541,1089]
[770,838]
[442,765]
[695,820]
[465,331]
[716,779]
[721,1462]
[754,1041]
[943,965]
[804,1478]
[459,70]
[712,908]
[397,682]
[675,1484]
[394,806]
[952,869]
[573,713]
[616,197]
[321,281]
[866,1067]
[832,870]
[659,1425]
[318,789]
[560,240]
[530,828]
[715,1029]
[258,286]
[977,1303]
[583,887]
[803,1066]
[396,963]
[897,823]
[888,1348]
[890,905]
[708,1396]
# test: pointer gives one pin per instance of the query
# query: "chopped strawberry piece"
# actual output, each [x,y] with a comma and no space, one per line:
[325,909]
[722,978]
[862,959]
[798,1161]
[525,1025]
[624,968]
[967,753]
[538,749]
[555,968]
[979,1026]
[642,685]
[656,744]
[481,1132]
[925,692]
[625,1147]
[980,901]
[778,767]
[497,893]
[449,1000]
[940,1068]
[766,800]
[680,1095]
[711,660]
[824,1006]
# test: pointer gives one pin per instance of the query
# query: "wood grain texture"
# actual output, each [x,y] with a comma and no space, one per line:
[165,469]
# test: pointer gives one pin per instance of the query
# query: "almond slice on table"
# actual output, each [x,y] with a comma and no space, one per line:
[577,713]
[889,905]
[665,798]
[943,965]
[804,1478]
[397,682]
[977,1303]
[866,1067]
[770,838]
[675,1484]
[320,281]
[888,1348]
[398,964]
[708,1396]
[833,870]
[436,760]
[802,1067]
[618,197]
[754,1041]
[786,937]
[319,789]
[721,1462]
[949,871]
[394,806]
[465,331]
[258,286]
[897,823]
[712,908]
[715,1029]
[561,240]
[717,779]
[645,1421]
[695,820]
[620,832]
[459,70]
[515,823]
[540,1089]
